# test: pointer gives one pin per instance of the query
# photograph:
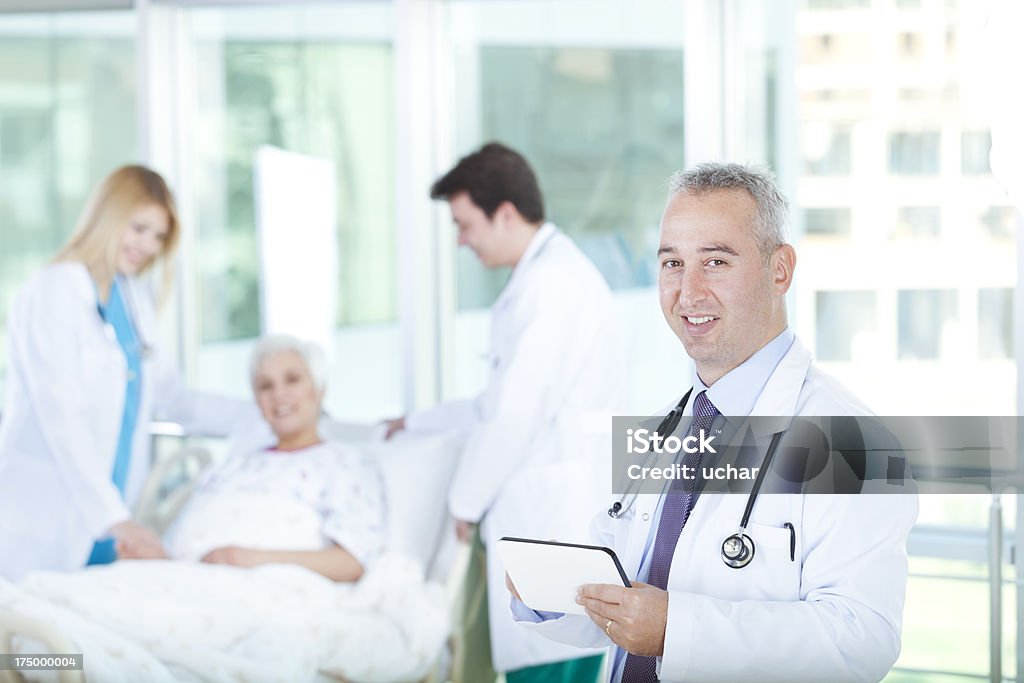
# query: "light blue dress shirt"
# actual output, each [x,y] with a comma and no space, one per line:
[734,395]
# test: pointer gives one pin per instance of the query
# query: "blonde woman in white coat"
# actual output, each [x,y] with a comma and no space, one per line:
[84,379]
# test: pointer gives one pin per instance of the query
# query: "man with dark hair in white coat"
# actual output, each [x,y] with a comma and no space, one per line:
[557,365]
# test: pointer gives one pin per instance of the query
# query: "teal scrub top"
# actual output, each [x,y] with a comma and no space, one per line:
[117,314]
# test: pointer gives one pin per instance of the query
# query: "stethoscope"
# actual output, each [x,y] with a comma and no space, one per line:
[145,349]
[737,549]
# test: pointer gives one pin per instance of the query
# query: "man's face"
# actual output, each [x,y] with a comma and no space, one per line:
[717,293]
[478,232]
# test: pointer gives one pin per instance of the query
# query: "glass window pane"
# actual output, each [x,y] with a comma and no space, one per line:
[917,191]
[594,99]
[995,323]
[925,316]
[950,634]
[914,153]
[316,80]
[917,221]
[842,317]
[909,46]
[832,221]
[836,47]
[975,146]
[603,129]
[601,124]
[67,118]
[938,637]
[826,150]
[999,222]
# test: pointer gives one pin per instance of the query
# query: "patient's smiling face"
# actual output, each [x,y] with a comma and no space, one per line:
[288,397]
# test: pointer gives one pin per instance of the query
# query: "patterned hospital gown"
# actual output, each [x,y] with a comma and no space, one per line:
[285,500]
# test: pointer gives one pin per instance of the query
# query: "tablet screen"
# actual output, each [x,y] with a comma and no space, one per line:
[547,573]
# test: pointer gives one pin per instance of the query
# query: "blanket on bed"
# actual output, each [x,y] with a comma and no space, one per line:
[174,621]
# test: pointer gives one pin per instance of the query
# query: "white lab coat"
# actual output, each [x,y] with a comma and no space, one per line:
[62,415]
[534,451]
[832,614]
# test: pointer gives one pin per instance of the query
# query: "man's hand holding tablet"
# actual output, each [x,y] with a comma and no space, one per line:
[569,578]
[547,574]
[634,618]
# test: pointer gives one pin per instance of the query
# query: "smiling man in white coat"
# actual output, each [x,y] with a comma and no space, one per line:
[822,598]
[557,365]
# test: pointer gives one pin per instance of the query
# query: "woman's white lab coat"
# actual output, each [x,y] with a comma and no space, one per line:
[832,613]
[533,457]
[62,414]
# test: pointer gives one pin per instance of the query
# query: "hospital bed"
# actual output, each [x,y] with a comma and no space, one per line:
[416,472]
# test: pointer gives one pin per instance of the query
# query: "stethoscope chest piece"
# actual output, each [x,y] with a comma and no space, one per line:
[737,551]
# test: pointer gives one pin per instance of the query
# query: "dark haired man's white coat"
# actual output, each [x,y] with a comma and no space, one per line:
[530,467]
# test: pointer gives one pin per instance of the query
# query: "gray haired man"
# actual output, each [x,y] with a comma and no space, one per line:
[822,597]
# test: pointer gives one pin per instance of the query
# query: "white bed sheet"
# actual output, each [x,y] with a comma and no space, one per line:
[175,621]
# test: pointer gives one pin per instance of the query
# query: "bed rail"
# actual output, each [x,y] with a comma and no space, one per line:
[15,626]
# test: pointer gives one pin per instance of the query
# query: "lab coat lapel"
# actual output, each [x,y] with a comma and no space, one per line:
[545,234]
[643,516]
[781,393]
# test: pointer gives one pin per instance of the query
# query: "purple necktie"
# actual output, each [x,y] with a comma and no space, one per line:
[678,504]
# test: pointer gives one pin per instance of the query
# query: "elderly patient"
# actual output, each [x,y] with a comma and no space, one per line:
[304,501]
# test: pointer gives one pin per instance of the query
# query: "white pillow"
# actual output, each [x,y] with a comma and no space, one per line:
[417,472]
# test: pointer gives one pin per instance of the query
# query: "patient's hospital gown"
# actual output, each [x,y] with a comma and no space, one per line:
[285,500]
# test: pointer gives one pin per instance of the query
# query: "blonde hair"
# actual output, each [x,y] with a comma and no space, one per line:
[105,217]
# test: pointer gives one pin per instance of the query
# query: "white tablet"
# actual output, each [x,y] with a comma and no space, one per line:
[547,573]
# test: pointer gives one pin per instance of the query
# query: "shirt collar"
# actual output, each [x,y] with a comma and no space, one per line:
[738,390]
[537,242]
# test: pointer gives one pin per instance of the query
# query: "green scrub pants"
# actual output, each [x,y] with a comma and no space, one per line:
[584,670]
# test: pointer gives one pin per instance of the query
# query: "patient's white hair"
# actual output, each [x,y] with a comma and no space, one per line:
[309,352]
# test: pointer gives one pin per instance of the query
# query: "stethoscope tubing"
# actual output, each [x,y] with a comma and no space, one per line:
[744,552]
[667,426]
[759,479]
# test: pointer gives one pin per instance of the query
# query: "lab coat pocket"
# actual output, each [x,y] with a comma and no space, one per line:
[776,561]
